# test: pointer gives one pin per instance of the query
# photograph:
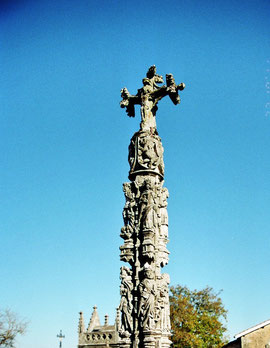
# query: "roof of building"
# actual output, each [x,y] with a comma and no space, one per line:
[253,328]
[94,320]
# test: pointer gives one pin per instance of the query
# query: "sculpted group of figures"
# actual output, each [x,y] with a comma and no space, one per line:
[144,307]
[146,222]
[153,305]
[148,97]
[144,290]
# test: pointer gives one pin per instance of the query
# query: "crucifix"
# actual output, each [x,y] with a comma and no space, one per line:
[144,320]
[60,336]
[148,97]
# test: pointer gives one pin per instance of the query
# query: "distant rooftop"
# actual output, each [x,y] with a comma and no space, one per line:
[253,328]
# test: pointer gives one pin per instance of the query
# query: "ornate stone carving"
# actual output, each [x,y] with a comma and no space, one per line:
[147,292]
[128,211]
[144,305]
[145,154]
[148,97]
[163,316]
[126,305]
[143,314]
[149,212]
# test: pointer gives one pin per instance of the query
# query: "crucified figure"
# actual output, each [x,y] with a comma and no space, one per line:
[148,97]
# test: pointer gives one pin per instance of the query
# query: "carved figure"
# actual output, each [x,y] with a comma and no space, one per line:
[149,152]
[149,208]
[163,303]
[147,103]
[154,77]
[148,97]
[145,153]
[126,306]
[148,292]
[126,232]
[163,197]
[163,212]
[128,211]
[131,153]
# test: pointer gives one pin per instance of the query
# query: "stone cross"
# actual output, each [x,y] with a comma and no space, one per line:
[148,97]
[143,315]
[144,310]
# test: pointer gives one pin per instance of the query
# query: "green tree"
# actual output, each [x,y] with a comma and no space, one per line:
[197,317]
[10,327]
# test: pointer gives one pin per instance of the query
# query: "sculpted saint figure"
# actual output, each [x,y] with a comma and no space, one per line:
[148,120]
[164,304]
[163,208]
[149,208]
[125,306]
[128,212]
[148,291]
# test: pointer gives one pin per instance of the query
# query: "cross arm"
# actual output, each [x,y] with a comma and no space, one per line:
[129,101]
[172,89]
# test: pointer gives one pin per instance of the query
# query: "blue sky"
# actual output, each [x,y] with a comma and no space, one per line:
[64,143]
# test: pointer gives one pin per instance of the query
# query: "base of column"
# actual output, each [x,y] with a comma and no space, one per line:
[165,341]
[149,340]
[125,342]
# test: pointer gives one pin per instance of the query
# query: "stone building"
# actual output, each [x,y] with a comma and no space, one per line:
[257,336]
[97,335]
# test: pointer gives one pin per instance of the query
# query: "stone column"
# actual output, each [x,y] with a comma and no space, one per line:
[144,306]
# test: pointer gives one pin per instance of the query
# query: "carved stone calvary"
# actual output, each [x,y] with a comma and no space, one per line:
[148,97]
[144,313]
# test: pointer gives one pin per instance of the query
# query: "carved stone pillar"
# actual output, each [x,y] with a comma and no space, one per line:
[144,307]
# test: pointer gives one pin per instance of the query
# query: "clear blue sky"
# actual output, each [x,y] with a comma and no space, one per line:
[64,143]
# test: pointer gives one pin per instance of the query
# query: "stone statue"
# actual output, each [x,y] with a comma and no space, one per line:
[144,306]
[146,154]
[148,97]
[126,306]
[149,208]
[149,152]
[148,292]
[163,212]
[143,319]
[128,211]
[164,303]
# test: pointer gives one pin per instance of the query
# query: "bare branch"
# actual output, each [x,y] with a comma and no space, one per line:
[10,326]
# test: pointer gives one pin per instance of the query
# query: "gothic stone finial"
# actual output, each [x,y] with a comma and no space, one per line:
[81,328]
[106,321]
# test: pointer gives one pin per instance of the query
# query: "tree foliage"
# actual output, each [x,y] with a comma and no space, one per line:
[10,327]
[197,318]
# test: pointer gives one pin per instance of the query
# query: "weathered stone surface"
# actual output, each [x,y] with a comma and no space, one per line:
[148,97]
[144,302]
[145,155]
[257,336]
[143,315]
[98,335]
[144,305]
[94,320]
[257,339]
